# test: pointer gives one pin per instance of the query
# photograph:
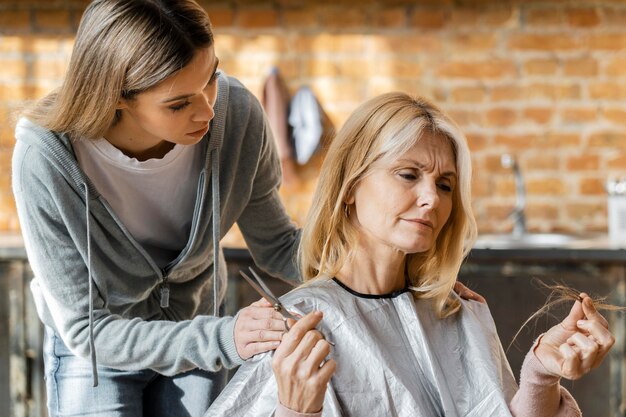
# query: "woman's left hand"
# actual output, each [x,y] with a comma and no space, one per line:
[467,294]
[578,344]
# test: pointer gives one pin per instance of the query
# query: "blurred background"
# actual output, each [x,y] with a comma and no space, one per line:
[538,86]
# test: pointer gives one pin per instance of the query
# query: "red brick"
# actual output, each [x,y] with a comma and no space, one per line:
[339,91]
[608,140]
[586,211]
[502,117]
[543,211]
[398,68]
[342,18]
[476,141]
[546,186]
[221,17]
[501,16]
[257,18]
[468,94]
[506,93]
[541,161]
[615,115]
[390,18]
[504,186]
[553,91]
[15,20]
[260,43]
[13,69]
[616,67]
[52,69]
[583,17]
[539,115]
[584,67]
[592,186]
[585,162]
[404,44]
[607,41]
[465,17]
[544,16]
[428,19]
[478,69]
[552,42]
[301,18]
[465,118]
[617,161]
[541,66]
[493,165]
[498,212]
[578,115]
[473,42]
[332,43]
[614,16]
[607,90]
[58,20]
[516,141]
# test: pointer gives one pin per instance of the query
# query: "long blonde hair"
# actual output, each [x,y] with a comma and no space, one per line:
[386,127]
[122,48]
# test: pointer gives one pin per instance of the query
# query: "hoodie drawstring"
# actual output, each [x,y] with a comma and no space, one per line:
[215,184]
[92,346]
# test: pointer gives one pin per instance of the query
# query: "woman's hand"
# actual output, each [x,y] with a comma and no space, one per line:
[259,328]
[467,294]
[577,344]
[301,377]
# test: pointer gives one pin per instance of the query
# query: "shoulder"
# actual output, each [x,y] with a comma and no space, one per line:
[240,98]
[321,295]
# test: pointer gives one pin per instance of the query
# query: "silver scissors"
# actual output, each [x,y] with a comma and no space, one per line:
[266,293]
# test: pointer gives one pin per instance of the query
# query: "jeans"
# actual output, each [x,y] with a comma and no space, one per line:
[122,393]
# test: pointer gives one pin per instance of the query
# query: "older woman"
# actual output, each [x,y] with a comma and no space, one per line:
[389,227]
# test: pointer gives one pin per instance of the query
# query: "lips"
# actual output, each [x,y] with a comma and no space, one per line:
[199,133]
[422,222]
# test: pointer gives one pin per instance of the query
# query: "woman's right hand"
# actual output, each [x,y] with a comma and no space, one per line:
[297,363]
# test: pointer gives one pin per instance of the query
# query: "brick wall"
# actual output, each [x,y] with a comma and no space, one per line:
[543,80]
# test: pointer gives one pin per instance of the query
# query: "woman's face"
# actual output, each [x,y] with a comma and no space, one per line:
[404,203]
[177,110]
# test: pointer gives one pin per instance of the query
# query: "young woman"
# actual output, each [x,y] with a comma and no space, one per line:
[126,178]
[390,225]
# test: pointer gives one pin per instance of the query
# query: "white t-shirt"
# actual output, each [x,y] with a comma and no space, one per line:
[154,199]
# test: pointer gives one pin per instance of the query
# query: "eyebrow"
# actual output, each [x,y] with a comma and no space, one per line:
[422,166]
[182,96]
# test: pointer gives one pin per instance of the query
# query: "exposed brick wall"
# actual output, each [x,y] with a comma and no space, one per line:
[544,80]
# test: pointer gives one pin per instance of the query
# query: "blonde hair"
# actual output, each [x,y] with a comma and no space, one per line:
[386,127]
[122,48]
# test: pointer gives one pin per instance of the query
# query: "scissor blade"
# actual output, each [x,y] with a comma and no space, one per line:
[262,283]
[269,297]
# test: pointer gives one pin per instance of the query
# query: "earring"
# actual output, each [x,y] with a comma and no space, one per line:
[346,210]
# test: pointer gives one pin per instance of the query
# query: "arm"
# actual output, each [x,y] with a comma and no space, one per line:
[269,232]
[570,349]
[52,215]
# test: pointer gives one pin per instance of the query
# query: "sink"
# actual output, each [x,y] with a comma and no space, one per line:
[531,240]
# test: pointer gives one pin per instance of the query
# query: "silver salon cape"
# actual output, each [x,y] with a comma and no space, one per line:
[394,358]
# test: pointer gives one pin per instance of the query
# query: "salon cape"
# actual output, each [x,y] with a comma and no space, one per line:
[394,358]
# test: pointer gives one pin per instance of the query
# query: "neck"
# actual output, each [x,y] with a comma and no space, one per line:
[374,272]
[134,146]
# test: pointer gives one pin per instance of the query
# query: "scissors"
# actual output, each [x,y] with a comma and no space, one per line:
[266,293]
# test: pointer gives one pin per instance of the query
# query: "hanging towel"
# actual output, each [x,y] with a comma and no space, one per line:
[306,120]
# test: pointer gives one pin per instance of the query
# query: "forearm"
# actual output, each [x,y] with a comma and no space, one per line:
[541,394]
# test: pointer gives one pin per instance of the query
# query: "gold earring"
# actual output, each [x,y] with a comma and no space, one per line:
[346,210]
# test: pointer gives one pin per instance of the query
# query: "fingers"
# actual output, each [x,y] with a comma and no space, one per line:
[590,311]
[259,328]
[298,330]
[575,314]
[600,335]
[571,362]
[468,294]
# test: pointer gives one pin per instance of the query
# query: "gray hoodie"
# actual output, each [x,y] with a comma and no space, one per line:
[99,289]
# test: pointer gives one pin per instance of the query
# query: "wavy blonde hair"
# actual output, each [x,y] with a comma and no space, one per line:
[386,127]
[122,48]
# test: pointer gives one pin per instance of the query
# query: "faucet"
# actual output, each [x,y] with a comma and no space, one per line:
[517,214]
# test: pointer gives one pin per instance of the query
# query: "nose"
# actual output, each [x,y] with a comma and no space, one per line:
[427,195]
[204,111]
